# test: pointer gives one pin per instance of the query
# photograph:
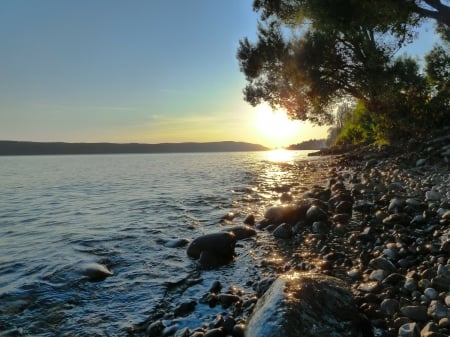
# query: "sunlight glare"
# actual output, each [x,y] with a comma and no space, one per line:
[276,128]
[280,156]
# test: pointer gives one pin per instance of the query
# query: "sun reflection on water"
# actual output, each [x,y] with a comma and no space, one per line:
[280,156]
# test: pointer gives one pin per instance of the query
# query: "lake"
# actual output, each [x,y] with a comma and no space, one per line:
[58,212]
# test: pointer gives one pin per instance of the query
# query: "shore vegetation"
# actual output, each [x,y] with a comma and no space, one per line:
[311,58]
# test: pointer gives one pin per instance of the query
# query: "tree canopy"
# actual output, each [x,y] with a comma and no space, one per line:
[312,54]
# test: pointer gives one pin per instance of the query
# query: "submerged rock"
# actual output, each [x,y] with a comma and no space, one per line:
[94,271]
[303,304]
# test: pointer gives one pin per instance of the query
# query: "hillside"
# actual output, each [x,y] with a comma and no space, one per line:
[14,148]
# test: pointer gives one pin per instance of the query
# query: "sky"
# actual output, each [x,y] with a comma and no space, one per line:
[147,71]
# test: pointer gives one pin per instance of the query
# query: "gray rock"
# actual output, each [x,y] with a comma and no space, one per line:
[431,293]
[382,263]
[437,310]
[409,330]
[307,305]
[389,306]
[319,227]
[415,312]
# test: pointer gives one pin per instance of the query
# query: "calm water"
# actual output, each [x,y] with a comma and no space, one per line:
[57,212]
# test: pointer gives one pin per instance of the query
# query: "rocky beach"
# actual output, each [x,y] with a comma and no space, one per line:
[364,254]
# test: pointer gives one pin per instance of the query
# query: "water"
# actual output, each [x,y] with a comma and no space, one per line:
[57,212]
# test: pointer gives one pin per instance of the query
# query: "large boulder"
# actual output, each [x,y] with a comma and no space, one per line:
[307,305]
[219,244]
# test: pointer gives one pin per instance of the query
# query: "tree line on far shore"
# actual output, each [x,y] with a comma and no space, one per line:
[342,63]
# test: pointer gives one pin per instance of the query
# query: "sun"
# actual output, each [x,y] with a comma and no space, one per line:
[275,127]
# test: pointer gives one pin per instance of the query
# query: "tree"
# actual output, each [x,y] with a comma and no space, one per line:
[311,53]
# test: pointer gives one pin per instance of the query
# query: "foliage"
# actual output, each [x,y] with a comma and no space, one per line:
[310,54]
[359,127]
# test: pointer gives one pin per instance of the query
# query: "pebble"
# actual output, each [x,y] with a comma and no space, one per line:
[431,293]
[408,330]
[415,312]
[389,306]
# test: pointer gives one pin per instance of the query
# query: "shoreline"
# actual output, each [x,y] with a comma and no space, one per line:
[392,249]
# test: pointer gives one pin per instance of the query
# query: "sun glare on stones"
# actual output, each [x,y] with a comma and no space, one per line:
[275,127]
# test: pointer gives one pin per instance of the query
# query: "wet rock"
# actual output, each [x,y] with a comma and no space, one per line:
[241,231]
[229,216]
[369,287]
[345,207]
[218,332]
[342,217]
[185,308]
[209,260]
[283,231]
[286,197]
[217,244]
[382,263]
[176,243]
[238,330]
[227,300]
[185,332]
[215,288]
[315,213]
[155,328]
[304,305]
[288,214]
[250,220]
[319,227]
[95,272]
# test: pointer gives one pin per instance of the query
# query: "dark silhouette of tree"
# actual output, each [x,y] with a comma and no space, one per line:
[310,54]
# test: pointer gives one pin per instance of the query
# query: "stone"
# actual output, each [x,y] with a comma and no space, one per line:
[315,213]
[176,243]
[389,306]
[250,220]
[409,330]
[382,263]
[219,244]
[283,231]
[429,329]
[241,231]
[431,293]
[437,310]
[155,328]
[410,284]
[307,305]
[415,312]
[432,195]
[94,271]
[319,227]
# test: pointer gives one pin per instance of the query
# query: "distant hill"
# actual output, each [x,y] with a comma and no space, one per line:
[14,148]
[312,144]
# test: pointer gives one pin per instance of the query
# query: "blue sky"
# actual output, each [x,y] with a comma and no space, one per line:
[130,71]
